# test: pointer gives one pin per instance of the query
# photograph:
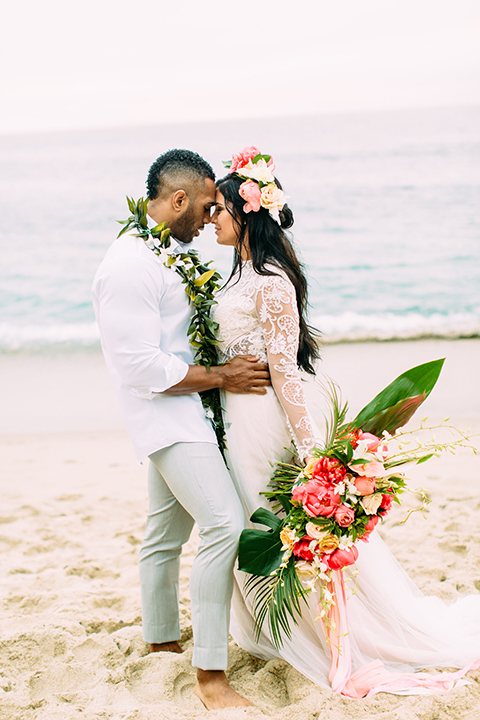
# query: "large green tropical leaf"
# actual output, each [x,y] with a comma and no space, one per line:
[402,397]
[393,417]
[260,551]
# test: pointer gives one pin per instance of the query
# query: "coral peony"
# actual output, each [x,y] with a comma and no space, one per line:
[341,558]
[302,549]
[317,499]
[329,471]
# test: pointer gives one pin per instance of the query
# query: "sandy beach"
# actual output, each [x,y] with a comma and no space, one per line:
[72,511]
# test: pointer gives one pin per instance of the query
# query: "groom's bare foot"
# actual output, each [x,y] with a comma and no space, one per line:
[166,647]
[214,691]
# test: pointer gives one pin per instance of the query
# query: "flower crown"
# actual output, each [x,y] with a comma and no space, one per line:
[259,189]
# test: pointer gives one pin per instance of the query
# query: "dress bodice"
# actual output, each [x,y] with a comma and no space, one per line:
[258,315]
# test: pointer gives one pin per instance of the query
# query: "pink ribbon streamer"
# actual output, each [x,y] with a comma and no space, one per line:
[374,677]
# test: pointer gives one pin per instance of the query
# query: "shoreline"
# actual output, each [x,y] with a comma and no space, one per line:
[76,388]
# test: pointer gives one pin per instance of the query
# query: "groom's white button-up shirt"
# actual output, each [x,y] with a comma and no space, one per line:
[143,314]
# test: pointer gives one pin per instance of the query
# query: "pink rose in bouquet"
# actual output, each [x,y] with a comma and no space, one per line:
[329,471]
[344,515]
[317,499]
[369,527]
[302,549]
[341,558]
[243,157]
[365,485]
[250,191]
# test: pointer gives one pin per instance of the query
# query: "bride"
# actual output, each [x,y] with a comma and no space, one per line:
[394,629]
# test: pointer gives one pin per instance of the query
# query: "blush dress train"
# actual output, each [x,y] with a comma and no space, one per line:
[390,619]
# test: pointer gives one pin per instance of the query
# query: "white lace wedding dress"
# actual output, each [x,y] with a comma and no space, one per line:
[389,617]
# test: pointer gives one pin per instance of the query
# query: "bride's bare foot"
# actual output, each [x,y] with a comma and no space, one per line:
[166,647]
[214,691]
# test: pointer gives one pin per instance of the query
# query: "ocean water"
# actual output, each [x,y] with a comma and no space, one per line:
[386,204]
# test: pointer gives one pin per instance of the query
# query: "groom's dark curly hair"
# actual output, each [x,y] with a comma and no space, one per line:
[173,165]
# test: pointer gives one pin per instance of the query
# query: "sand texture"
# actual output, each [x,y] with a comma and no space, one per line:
[72,512]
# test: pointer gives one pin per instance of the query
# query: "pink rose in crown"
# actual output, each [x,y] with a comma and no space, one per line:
[243,157]
[370,527]
[316,498]
[364,485]
[341,558]
[344,515]
[302,549]
[329,471]
[250,192]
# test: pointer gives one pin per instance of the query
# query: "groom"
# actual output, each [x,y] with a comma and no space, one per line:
[143,314]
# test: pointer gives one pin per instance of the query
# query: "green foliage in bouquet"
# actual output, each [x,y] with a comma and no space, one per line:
[274,584]
[395,405]
[201,283]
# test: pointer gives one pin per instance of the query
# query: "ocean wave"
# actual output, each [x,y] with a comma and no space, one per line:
[39,337]
[347,327]
[354,327]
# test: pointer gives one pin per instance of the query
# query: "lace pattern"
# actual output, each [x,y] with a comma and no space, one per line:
[258,315]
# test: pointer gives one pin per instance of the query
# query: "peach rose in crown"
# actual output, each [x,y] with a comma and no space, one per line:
[271,197]
[250,192]
[243,157]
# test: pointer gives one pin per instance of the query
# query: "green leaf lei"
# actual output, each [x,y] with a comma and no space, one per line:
[201,284]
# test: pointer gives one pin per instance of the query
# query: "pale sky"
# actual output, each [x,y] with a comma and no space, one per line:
[96,63]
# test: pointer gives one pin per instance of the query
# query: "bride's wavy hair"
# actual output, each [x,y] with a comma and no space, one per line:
[269,244]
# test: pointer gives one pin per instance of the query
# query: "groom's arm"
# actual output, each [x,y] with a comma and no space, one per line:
[243,374]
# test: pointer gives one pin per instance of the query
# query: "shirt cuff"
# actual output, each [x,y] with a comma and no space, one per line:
[173,372]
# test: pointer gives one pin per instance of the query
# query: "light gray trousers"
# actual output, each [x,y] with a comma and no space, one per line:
[188,483]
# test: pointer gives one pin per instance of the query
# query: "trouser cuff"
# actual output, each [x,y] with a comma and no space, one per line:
[212,658]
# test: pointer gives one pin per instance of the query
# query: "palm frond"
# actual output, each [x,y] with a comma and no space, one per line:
[337,411]
[277,599]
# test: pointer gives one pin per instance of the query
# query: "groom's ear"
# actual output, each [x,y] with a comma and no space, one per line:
[179,201]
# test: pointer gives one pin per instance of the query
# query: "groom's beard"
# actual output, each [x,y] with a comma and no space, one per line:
[185,227]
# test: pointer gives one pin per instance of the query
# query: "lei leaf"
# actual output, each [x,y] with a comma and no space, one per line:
[201,283]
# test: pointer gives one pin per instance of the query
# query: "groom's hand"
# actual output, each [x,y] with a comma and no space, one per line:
[246,374]
[243,374]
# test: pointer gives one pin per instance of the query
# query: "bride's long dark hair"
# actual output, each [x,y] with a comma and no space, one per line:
[269,244]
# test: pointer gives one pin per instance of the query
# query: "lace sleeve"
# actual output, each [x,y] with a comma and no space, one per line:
[278,315]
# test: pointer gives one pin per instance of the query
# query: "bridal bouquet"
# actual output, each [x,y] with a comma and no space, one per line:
[325,510]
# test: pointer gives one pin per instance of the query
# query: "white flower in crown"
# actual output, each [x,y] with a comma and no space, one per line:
[259,171]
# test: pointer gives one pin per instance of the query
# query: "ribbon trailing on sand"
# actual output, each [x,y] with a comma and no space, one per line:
[374,677]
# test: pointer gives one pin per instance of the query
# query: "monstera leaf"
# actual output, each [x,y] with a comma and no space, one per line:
[260,551]
[395,405]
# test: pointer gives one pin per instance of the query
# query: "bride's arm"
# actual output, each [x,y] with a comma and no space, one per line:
[278,315]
